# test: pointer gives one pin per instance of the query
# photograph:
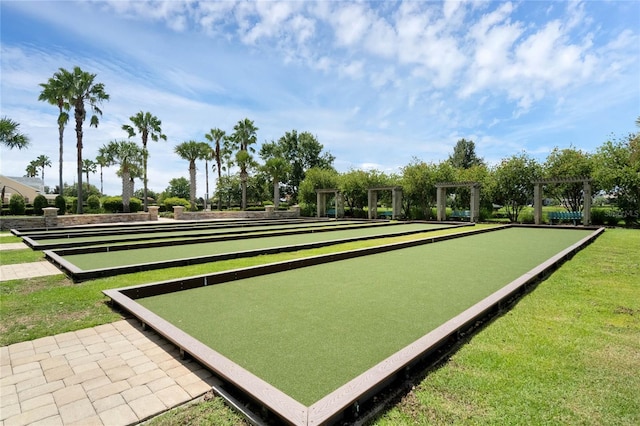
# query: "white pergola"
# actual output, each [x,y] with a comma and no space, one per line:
[586,196]
[396,201]
[321,202]
[441,199]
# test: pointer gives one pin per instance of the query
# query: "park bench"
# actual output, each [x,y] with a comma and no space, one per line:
[461,214]
[564,216]
[385,215]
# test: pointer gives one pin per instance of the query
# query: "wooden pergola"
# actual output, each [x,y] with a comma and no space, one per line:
[441,198]
[396,201]
[586,197]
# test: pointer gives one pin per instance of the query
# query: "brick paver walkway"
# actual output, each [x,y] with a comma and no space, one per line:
[113,374]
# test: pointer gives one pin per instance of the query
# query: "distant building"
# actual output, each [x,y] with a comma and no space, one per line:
[28,187]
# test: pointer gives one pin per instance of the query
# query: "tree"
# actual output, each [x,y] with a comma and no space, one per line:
[55,92]
[277,168]
[10,136]
[83,89]
[419,180]
[178,187]
[129,156]
[32,169]
[243,137]
[354,186]
[42,161]
[464,155]
[148,126]
[316,178]
[514,179]
[217,137]
[569,163]
[191,151]
[102,161]
[89,166]
[617,172]
[302,151]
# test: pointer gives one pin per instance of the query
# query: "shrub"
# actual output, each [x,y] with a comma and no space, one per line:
[93,204]
[135,205]
[114,204]
[61,204]
[39,203]
[16,205]
[175,201]
[598,216]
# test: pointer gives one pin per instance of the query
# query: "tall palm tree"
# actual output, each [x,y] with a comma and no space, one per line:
[148,126]
[243,137]
[207,155]
[129,156]
[55,91]
[83,89]
[217,136]
[10,136]
[102,161]
[32,169]
[89,166]
[277,168]
[43,161]
[191,151]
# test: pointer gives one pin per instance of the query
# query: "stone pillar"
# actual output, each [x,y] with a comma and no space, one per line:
[320,203]
[537,203]
[339,205]
[50,217]
[475,203]
[269,211]
[295,209]
[441,203]
[586,213]
[396,201]
[373,203]
[153,213]
[177,212]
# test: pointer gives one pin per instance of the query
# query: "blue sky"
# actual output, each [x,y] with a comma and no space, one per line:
[378,83]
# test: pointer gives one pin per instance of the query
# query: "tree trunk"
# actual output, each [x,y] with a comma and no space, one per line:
[145,155]
[276,193]
[79,114]
[192,187]
[60,139]
[126,182]
[243,181]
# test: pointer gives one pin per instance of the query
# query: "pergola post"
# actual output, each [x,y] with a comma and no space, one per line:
[441,203]
[586,214]
[339,204]
[321,199]
[396,201]
[372,198]
[475,203]
[537,203]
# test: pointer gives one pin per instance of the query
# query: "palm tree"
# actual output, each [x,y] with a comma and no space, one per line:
[55,91]
[207,155]
[9,135]
[217,136]
[83,89]
[243,137]
[277,168]
[129,156]
[149,127]
[42,161]
[32,169]
[102,161]
[89,166]
[191,151]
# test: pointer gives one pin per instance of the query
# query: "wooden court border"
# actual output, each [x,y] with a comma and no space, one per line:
[332,407]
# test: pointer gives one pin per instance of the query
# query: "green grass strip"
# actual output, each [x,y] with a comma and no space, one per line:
[111,259]
[310,330]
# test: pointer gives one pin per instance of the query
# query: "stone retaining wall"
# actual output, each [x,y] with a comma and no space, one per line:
[179,213]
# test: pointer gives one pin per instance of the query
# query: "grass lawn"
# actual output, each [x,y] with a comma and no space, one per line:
[565,354]
[308,331]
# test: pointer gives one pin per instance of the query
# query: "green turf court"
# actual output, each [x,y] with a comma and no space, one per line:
[309,331]
[117,258]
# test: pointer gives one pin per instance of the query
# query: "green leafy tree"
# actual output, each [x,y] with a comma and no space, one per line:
[617,172]
[514,179]
[55,92]
[419,180]
[217,137]
[277,169]
[302,151]
[316,178]
[179,188]
[243,139]
[354,186]
[32,169]
[39,203]
[89,166]
[464,155]
[128,156]
[42,161]
[10,136]
[147,126]
[191,151]
[17,206]
[569,163]
[481,174]
[83,92]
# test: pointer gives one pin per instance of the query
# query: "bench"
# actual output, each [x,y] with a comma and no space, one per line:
[385,215]
[461,214]
[564,216]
